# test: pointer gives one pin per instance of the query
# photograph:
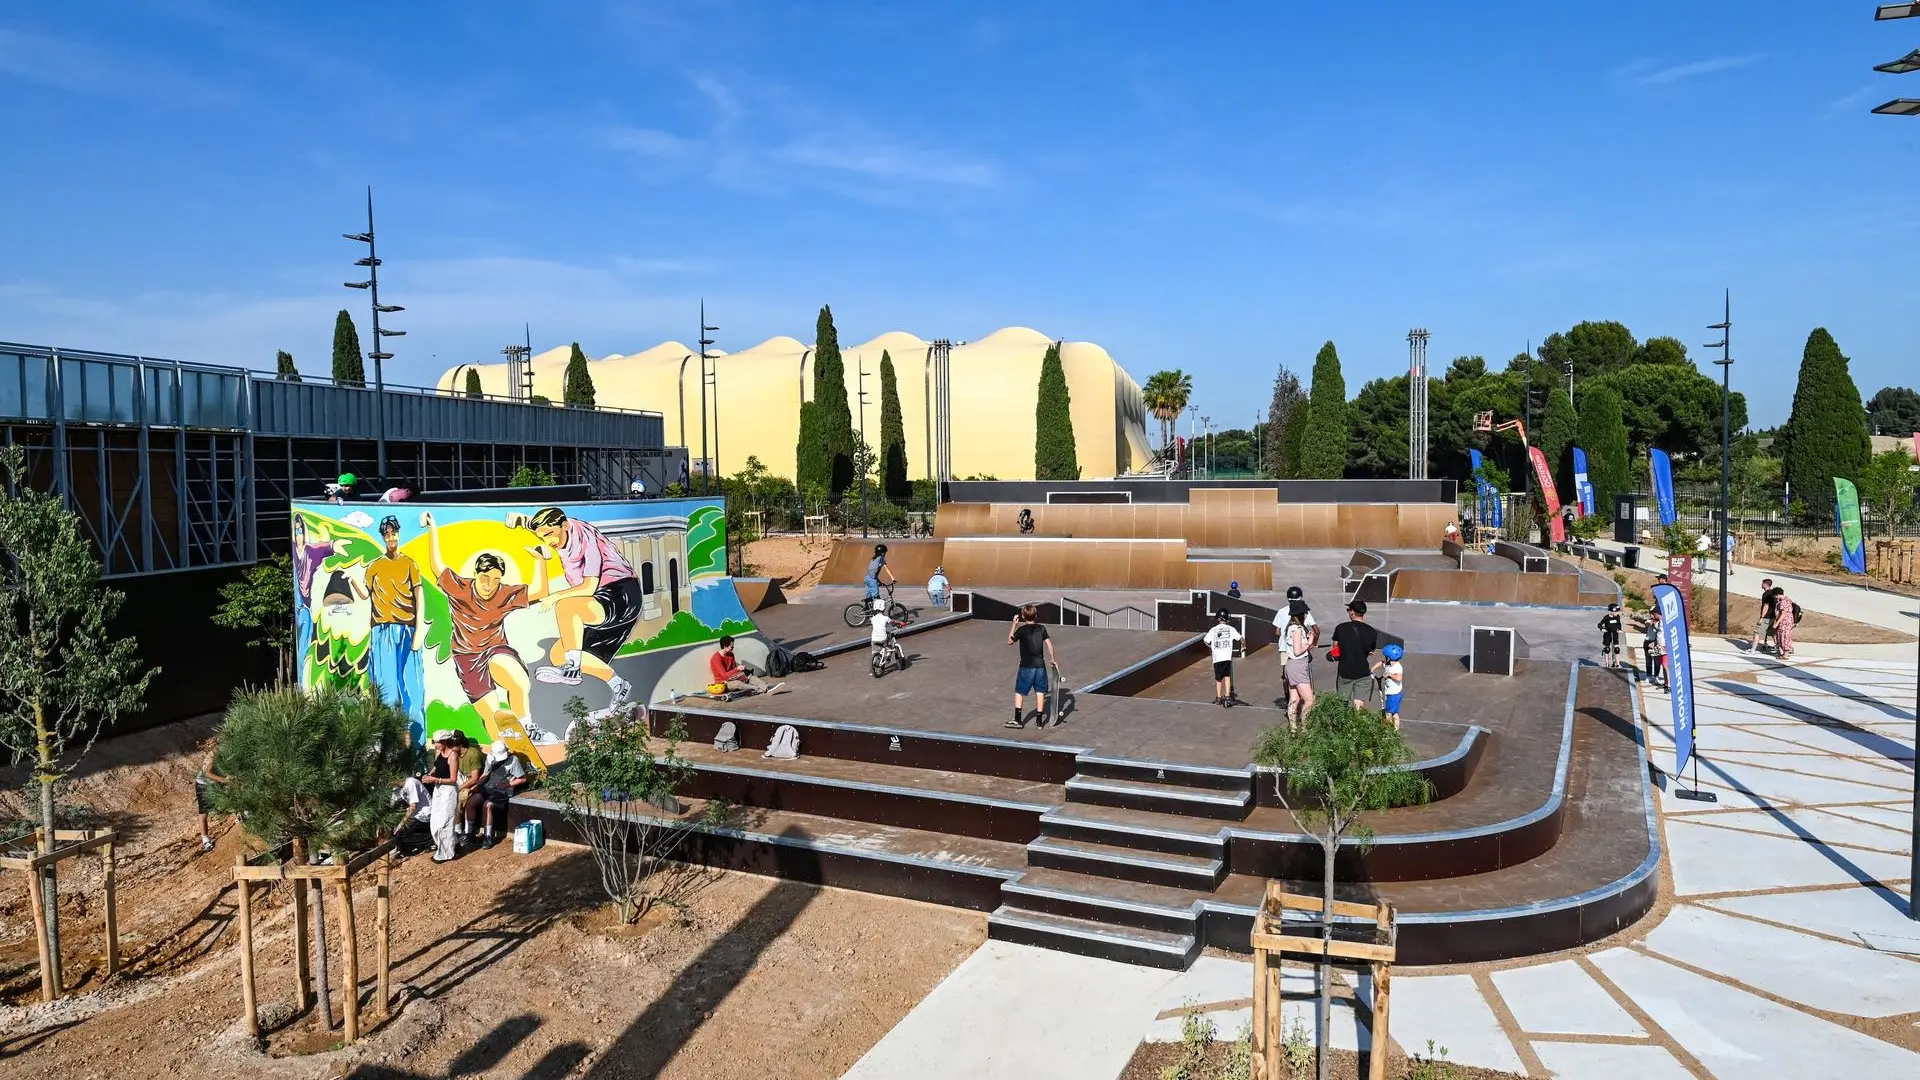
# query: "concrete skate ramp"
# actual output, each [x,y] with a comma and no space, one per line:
[1215,518]
[1498,578]
[912,561]
[758,593]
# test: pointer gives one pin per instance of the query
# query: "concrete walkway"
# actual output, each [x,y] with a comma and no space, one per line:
[1787,951]
[1877,607]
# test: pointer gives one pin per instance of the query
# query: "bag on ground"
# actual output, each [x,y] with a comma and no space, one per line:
[727,738]
[785,744]
[806,661]
[779,662]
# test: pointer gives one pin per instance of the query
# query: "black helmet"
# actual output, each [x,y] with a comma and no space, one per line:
[1223,616]
[879,549]
[1294,592]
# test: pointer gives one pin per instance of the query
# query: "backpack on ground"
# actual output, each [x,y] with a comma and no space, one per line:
[779,662]
[727,738]
[806,661]
[785,744]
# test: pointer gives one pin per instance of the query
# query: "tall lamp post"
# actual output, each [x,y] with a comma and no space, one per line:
[1725,364]
[706,463]
[860,459]
[1907,107]
[379,354]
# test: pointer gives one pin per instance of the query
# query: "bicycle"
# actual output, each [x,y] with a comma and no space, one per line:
[892,654]
[859,612]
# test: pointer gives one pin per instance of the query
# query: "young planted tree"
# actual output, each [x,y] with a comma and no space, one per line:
[1054,454]
[893,436]
[63,675]
[283,368]
[615,791]
[315,772]
[1826,434]
[1288,396]
[257,601]
[1603,435]
[1886,486]
[1323,453]
[349,367]
[531,476]
[1341,763]
[473,383]
[578,388]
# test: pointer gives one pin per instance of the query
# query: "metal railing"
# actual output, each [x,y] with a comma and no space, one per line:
[1125,617]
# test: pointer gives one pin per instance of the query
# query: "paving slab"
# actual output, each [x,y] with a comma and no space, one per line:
[1826,827]
[1709,860]
[1011,1012]
[1739,1036]
[1559,998]
[1837,912]
[1849,979]
[1609,1061]
[1449,1010]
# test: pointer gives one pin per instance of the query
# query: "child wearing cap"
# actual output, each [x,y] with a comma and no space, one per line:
[1393,679]
[1222,640]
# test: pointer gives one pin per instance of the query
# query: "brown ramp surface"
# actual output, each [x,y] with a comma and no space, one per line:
[912,561]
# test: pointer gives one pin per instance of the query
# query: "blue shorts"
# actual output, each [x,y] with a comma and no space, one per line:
[1393,703]
[1031,680]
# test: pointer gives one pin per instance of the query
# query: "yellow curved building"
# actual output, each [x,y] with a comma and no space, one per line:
[754,404]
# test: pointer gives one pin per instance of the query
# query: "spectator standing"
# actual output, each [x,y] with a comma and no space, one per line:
[1297,671]
[1223,640]
[202,794]
[1035,656]
[1652,656]
[473,761]
[1786,616]
[1354,643]
[443,780]
[1393,680]
[1769,611]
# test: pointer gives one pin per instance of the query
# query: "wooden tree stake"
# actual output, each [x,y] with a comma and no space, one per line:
[383,925]
[49,989]
[113,914]
[248,1001]
[302,973]
[350,960]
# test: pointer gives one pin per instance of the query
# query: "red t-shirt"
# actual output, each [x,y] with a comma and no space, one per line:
[724,667]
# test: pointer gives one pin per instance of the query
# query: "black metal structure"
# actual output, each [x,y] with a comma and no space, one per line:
[181,466]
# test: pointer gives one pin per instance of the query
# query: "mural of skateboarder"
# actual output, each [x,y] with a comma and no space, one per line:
[597,608]
[307,557]
[399,629]
[482,659]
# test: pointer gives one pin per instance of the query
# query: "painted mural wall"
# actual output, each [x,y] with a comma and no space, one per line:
[489,617]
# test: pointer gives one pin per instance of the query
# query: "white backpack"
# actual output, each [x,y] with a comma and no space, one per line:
[785,744]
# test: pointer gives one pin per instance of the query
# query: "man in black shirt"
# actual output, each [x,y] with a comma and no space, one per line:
[1353,645]
[1769,611]
[1036,656]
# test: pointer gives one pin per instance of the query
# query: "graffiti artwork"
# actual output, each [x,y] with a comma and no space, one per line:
[490,618]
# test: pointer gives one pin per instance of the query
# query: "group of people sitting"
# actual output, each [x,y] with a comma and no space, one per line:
[460,799]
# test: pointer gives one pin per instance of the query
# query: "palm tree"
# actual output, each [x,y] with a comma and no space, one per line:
[1166,395]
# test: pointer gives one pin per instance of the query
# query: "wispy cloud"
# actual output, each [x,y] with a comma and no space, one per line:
[81,68]
[1642,73]
[1860,96]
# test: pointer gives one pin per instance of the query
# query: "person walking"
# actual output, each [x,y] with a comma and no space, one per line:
[203,794]
[1354,643]
[877,566]
[1297,669]
[1223,639]
[1786,616]
[1036,655]
[1769,611]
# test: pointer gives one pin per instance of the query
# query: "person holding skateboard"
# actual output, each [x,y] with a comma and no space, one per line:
[1036,656]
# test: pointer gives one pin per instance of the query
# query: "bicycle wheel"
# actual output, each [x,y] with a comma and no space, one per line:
[857,614]
[877,665]
[900,658]
[897,611]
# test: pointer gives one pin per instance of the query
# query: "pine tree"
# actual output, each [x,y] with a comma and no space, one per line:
[1323,455]
[349,367]
[283,368]
[1054,454]
[473,383]
[579,385]
[1288,397]
[893,436]
[1603,435]
[1826,434]
[1555,438]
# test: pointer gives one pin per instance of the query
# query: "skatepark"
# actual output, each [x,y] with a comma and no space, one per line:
[1129,823]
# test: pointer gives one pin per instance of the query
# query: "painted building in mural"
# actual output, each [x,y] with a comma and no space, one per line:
[493,618]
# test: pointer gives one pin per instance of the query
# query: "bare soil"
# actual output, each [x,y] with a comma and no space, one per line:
[1744,611]
[796,562]
[507,965]
[1152,1058]
[1814,557]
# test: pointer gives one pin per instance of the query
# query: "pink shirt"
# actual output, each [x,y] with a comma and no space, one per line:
[589,554]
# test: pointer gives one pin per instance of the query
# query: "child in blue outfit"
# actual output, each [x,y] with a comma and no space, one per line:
[1393,680]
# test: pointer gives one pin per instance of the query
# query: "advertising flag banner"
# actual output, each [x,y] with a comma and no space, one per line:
[1479,490]
[1582,487]
[1542,472]
[1846,514]
[1663,486]
[1672,611]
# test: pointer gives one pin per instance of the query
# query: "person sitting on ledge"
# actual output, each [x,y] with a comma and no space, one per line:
[727,670]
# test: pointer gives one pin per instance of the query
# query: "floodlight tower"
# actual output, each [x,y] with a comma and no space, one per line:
[1417,404]
[379,354]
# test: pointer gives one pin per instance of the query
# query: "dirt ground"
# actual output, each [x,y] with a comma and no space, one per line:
[795,561]
[1744,611]
[509,963]
[1149,1061]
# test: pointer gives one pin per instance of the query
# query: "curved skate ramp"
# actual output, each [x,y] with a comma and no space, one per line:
[1214,518]
[1052,562]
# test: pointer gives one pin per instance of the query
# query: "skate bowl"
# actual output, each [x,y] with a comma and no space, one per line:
[1236,518]
[1052,562]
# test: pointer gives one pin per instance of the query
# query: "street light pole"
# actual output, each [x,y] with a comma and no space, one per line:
[379,354]
[706,463]
[860,365]
[1907,107]
[1725,364]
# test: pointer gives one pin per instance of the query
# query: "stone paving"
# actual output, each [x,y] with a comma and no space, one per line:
[1783,947]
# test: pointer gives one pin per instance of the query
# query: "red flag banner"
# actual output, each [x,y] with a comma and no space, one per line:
[1543,472]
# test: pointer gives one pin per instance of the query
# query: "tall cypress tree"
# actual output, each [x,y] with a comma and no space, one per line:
[349,367]
[473,384]
[1603,435]
[825,453]
[1826,434]
[283,368]
[1555,437]
[1323,455]
[1054,454]
[578,389]
[1289,397]
[1293,440]
[893,435]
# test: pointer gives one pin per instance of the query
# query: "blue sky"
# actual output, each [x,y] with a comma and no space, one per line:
[1219,189]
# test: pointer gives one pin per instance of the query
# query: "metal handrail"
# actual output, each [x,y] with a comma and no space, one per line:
[1130,611]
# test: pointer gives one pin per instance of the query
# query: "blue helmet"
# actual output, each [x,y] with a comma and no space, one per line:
[1393,652]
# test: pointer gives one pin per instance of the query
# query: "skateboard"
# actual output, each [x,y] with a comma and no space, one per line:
[1057,701]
